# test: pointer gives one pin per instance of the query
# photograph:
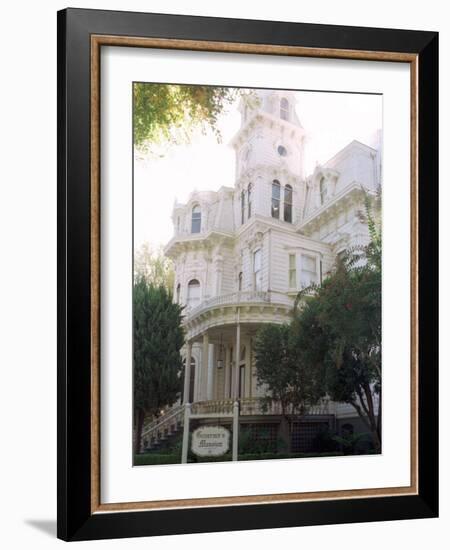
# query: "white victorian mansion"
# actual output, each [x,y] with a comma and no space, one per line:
[242,253]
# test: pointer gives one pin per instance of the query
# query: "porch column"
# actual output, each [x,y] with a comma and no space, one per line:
[187,372]
[227,372]
[210,378]
[204,373]
[235,390]
[248,391]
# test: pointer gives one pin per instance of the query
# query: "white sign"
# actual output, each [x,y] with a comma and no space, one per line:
[210,441]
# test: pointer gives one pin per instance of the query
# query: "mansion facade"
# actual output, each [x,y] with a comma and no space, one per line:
[241,255]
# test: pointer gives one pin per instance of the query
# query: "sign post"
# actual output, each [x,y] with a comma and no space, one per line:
[210,440]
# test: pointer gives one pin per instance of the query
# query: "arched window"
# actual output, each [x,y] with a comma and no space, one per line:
[193,293]
[242,207]
[288,204]
[284,108]
[276,194]
[323,188]
[196,219]
[249,201]
[178,292]
[240,281]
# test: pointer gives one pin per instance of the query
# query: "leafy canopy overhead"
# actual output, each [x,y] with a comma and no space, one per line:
[153,266]
[170,112]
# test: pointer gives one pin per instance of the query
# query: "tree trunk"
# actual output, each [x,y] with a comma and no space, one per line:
[139,427]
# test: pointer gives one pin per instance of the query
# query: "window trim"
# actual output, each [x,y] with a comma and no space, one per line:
[275,185]
[287,203]
[198,219]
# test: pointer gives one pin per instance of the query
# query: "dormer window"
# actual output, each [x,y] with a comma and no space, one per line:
[196,223]
[276,195]
[284,109]
[288,204]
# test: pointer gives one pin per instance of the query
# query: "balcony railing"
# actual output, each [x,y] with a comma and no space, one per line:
[250,406]
[238,298]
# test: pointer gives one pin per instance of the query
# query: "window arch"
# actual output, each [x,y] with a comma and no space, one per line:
[276,195]
[249,200]
[196,220]
[193,293]
[284,109]
[288,203]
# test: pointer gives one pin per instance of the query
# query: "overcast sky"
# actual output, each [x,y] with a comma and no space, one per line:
[331,121]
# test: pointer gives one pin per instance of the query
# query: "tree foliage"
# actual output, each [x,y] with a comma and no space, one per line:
[154,267]
[289,380]
[333,345]
[279,365]
[158,338]
[171,112]
[338,329]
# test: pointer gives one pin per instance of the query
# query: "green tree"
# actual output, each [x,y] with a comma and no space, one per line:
[289,380]
[154,267]
[338,329]
[158,338]
[170,112]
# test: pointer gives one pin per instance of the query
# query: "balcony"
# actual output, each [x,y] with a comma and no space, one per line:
[241,298]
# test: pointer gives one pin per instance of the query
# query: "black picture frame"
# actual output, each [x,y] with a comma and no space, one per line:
[76,521]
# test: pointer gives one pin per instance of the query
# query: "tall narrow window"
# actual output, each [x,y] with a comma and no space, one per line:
[284,108]
[196,219]
[249,201]
[288,204]
[323,190]
[242,207]
[178,292]
[240,281]
[257,272]
[193,293]
[292,272]
[308,270]
[276,194]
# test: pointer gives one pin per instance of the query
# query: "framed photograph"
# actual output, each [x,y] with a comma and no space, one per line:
[247,255]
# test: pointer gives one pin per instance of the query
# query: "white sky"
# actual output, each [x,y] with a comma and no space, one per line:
[331,121]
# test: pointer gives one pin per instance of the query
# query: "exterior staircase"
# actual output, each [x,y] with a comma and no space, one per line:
[159,433]
[163,430]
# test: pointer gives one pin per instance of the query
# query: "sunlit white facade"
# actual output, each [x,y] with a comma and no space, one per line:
[242,253]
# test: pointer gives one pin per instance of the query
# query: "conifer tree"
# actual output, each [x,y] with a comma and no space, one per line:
[158,338]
